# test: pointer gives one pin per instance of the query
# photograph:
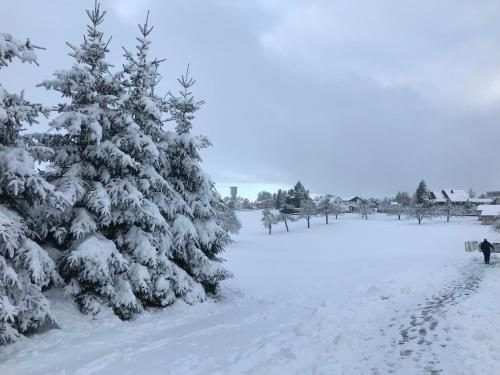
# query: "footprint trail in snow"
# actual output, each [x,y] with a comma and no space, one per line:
[425,335]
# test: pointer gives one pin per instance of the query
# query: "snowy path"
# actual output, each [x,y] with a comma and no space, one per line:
[421,339]
[346,298]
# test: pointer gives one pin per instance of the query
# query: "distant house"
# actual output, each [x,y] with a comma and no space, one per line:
[354,199]
[352,203]
[493,195]
[338,201]
[488,213]
[266,203]
[455,196]
[437,197]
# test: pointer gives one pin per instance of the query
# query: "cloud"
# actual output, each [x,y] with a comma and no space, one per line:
[444,50]
[129,10]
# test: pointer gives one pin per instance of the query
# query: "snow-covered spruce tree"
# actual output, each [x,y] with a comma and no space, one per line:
[25,268]
[226,218]
[198,237]
[114,245]
[297,194]
[160,282]
[403,198]
[421,208]
[280,198]
[422,193]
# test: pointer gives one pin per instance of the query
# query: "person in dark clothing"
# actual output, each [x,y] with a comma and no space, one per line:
[486,248]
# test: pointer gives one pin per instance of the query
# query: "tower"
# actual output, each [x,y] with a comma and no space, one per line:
[234,193]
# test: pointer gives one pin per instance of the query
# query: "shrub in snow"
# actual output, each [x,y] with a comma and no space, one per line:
[25,268]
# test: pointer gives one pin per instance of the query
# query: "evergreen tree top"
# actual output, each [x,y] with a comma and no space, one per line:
[183,106]
[93,49]
[144,74]
[421,194]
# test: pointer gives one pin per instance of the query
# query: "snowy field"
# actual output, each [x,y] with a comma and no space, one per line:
[353,297]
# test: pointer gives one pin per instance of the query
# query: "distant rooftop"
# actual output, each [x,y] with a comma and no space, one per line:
[489,209]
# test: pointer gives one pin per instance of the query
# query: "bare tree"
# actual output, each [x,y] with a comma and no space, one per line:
[307,210]
[397,210]
[337,210]
[285,218]
[269,218]
[364,208]
[450,209]
[471,193]
[325,206]
[420,211]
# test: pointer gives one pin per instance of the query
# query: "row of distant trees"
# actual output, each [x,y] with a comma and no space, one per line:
[421,207]
[293,197]
[297,204]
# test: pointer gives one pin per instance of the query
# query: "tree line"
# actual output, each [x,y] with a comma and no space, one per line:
[297,204]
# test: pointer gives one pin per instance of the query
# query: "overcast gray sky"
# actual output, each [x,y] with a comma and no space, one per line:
[351,97]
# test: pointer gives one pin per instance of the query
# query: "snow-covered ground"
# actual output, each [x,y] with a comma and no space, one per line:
[356,296]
